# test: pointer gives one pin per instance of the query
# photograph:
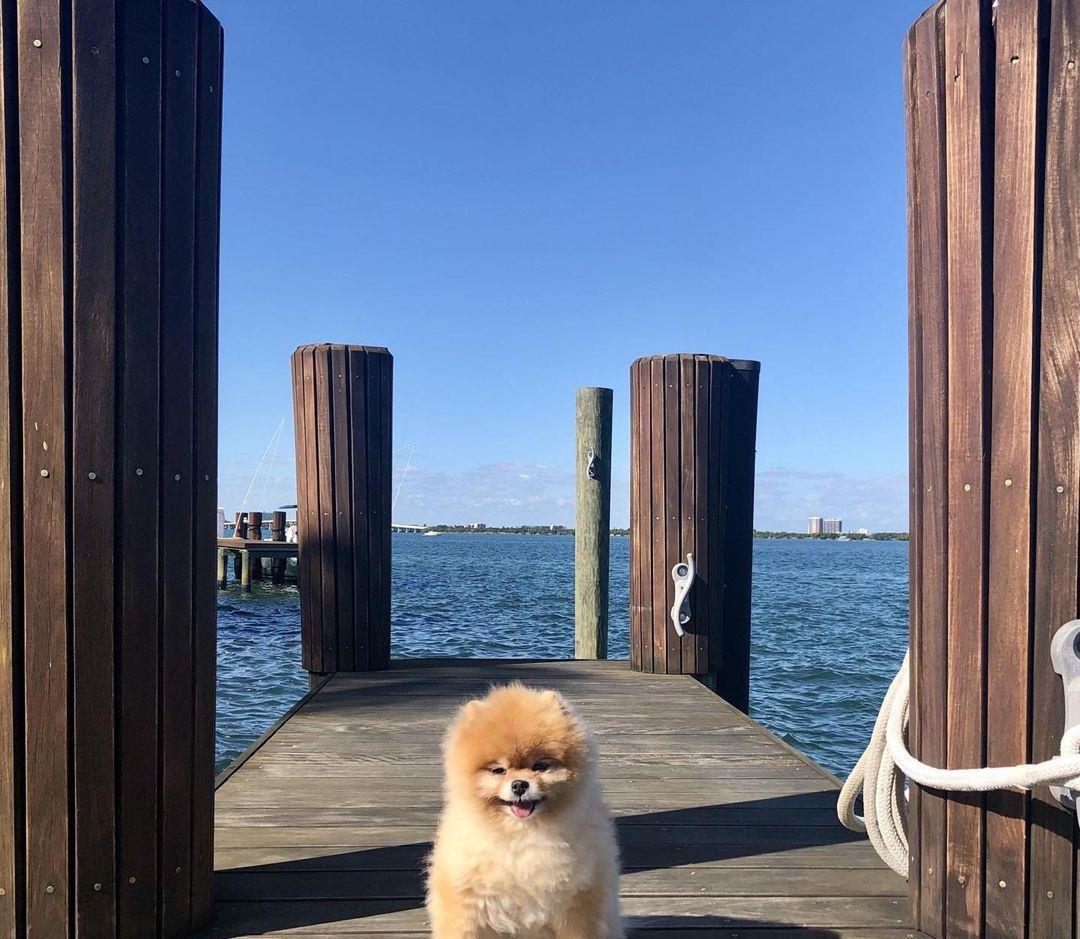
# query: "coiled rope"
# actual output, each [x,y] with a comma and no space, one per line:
[880,773]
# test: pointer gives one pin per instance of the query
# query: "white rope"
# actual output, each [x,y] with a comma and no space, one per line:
[880,773]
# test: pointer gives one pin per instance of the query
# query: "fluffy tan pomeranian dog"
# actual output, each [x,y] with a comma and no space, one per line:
[525,846]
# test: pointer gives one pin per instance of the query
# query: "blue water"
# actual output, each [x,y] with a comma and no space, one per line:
[829,628]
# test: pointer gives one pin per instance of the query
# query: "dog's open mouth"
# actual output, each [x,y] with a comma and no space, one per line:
[522,808]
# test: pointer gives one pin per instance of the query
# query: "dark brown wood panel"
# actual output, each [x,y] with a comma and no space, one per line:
[635,593]
[204,656]
[359,455]
[44,75]
[11,731]
[719,435]
[703,496]
[1017,152]
[911,102]
[341,434]
[139,469]
[1052,901]
[738,458]
[672,542]
[966,101]
[324,477]
[177,442]
[93,464]
[928,298]
[342,400]
[658,510]
[688,448]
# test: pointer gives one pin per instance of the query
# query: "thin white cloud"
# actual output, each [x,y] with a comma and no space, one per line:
[786,498]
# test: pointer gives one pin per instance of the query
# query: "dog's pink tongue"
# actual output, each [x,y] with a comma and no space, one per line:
[522,809]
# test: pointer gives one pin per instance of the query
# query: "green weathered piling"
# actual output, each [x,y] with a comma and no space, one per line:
[592,538]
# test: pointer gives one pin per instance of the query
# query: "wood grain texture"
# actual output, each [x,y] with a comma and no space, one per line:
[1052,896]
[177,442]
[1017,179]
[93,461]
[966,103]
[139,467]
[928,280]
[693,421]
[702,856]
[592,526]
[11,730]
[44,74]
[342,401]
[915,483]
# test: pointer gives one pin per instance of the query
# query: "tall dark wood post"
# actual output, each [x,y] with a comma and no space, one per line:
[109,181]
[693,432]
[993,117]
[342,398]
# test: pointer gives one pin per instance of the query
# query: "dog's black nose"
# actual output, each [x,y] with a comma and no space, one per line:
[519,787]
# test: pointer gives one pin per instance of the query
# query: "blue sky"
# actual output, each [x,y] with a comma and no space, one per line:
[520,198]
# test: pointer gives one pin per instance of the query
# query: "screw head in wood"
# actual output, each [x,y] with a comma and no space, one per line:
[50,889]
[97,888]
[145,60]
[178,870]
[138,472]
[1049,894]
[177,477]
[37,43]
[45,473]
[1002,884]
[91,475]
[1060,488]
[131,880]
[177,73]
[1008,482]
[3,892]
[94,50]
[967,487]
[961,880]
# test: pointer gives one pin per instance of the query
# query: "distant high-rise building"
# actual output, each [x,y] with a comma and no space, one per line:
[832,526]
[814,527]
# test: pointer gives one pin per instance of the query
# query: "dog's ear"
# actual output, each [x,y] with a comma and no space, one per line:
[557,699]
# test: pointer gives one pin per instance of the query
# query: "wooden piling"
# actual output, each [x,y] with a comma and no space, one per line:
[693,431]
[277,533]
[592,529]
[342,397]
[109,179]
[993,112]
[255,521]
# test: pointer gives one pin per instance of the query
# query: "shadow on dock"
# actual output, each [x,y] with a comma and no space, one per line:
[322,889]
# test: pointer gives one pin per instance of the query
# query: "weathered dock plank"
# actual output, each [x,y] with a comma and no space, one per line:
[724,829]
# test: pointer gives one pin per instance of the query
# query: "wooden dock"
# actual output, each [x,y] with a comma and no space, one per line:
[725,830]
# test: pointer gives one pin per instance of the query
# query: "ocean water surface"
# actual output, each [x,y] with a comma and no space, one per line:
[829,628]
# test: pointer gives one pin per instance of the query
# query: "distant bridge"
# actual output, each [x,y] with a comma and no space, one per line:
[412,528]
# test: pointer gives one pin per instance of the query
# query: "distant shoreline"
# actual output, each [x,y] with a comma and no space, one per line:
[625,532]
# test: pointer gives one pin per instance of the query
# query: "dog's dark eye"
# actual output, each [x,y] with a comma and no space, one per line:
[498,770]
[541,767]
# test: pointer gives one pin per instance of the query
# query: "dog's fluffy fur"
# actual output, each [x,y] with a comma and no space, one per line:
[525,846]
